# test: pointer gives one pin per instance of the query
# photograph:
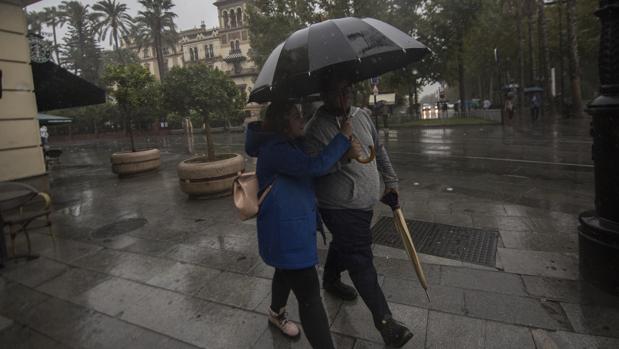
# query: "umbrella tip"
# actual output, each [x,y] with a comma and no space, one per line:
[427,295]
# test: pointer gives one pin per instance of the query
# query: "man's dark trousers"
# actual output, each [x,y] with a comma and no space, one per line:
[351,249]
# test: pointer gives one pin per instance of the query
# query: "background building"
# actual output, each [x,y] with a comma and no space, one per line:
[225,48]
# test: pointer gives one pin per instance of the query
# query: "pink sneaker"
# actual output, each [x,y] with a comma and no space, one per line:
[280,320]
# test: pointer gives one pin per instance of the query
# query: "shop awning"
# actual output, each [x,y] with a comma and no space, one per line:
[57,88]
[46,119]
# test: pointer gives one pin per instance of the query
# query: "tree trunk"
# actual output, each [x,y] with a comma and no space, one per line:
[545,56]
[210,146]
[55,43]
[462,108]
[530,12]
[127,120]
[116,48]
[572,38]
[159,51]
[520,59]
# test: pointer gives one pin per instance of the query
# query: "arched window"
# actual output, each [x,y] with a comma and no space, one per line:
[232,19]
[231,46]
[239,17]
[225,16]
[238,46]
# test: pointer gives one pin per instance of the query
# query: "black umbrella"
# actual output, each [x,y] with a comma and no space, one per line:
[355,48]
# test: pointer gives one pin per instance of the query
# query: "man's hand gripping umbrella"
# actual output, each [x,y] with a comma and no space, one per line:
[391,199]
[345,115]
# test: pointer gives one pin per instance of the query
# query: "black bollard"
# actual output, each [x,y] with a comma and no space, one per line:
[599,229]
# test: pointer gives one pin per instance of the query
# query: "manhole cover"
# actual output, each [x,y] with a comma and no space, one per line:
[119,227]
[460,243]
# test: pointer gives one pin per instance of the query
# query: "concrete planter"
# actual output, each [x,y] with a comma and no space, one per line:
[198,177]
[129,163]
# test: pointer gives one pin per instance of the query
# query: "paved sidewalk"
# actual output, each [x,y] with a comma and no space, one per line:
[185,273]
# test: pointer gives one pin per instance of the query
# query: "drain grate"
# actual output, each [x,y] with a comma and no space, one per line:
[460,243]
[119,227]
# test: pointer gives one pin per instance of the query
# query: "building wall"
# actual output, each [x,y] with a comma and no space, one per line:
[21,155]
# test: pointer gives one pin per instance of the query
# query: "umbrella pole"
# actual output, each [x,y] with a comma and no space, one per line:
[402,228]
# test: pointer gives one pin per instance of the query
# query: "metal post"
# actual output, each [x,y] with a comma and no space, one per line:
[599,229]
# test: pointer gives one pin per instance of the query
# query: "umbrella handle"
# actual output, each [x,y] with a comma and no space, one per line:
[369,158]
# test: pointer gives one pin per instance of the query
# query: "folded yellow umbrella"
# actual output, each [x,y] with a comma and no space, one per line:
[391,199]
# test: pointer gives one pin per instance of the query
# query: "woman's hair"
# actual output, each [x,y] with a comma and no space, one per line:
[277,117]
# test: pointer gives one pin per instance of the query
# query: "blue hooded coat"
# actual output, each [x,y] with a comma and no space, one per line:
[287,217]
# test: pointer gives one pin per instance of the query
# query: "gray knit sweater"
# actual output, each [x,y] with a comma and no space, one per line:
[349,184]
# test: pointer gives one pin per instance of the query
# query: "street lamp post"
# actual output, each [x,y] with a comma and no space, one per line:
[599,229]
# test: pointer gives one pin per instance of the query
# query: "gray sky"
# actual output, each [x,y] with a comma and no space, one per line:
[190,13]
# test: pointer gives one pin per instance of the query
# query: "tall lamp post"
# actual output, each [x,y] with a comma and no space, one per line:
[599,229]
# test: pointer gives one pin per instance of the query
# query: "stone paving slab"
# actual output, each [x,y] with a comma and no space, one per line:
[23,337]
[272,338]
[16,300]
[184,278]
[5,323]
[403,269]
[503,336]
[568,291]
[195,321]
[72,283]
[536,241]
[447,299]
[568,340]
[242,291]
[490,281]
[595,320]
[356,320]
[452,331]
[513,310]
[113,296]
[214,258]
[67,251]
[153,248]
[551,264]
[33,273]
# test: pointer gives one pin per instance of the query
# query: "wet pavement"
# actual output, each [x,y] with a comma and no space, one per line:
[136,264]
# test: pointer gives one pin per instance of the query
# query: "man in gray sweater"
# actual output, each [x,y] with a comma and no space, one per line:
[346,197]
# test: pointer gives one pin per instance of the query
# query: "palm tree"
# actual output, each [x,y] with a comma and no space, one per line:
[35,22]
[81,49]
[112,17]
[54,19]
[154,25]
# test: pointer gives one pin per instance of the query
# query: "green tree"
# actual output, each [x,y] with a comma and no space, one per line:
[112,17]
[35,22]
[54,18]
[155,27]
[136,92]
[81,51]
[206,92]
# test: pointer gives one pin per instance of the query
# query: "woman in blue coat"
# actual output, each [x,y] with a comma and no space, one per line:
[287,217]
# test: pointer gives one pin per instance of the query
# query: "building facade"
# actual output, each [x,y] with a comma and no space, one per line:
[225,47]
[21,157]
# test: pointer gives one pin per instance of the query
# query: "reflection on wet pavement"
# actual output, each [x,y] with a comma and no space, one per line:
[191,275]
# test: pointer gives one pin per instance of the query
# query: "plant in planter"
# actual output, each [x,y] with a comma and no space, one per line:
[137,94]
[199,91]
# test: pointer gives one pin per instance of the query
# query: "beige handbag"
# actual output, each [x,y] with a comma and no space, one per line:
[246,195]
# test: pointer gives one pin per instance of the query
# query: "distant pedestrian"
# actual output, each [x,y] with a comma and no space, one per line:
[535,106]
[509,107]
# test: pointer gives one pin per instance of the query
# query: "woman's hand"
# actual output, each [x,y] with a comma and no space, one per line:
[346,127]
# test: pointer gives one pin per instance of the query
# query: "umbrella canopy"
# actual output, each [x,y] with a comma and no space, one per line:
[46,119]
[533,89]
[354,48]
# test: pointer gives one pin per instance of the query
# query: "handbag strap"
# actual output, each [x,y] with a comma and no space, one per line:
[266,190]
